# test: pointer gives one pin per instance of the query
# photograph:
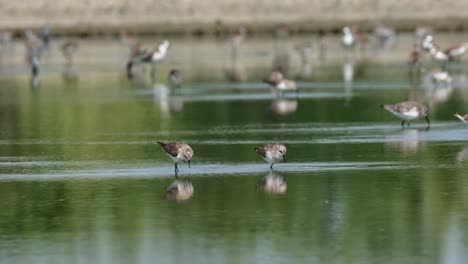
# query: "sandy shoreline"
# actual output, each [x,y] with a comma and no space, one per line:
[69,17]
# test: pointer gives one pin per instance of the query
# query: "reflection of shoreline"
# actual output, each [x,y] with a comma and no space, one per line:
[273,183]
[179,190]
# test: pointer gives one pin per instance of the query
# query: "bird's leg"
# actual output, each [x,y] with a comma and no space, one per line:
[403,123]
[153,71]
[176,175]
[271,167]
[428,122]
[189,163]
[176,169]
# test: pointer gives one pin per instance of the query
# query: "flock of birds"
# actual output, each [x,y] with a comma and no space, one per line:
[182,152]
[407,111]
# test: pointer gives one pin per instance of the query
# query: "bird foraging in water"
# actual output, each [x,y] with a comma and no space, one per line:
[408,111]
[178,152]
[279,84]
[463,118]
[175,78]
[272,153]
[140,56]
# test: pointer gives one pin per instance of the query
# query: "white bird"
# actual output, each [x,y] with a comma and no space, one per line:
[347,38]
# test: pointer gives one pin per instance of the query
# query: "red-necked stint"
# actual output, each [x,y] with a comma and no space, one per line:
[463,118]
[408,111]
[179,190]
[279,84]
[272,153]
[178,152]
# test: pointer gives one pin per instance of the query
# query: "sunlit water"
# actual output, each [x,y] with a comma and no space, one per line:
[82,179]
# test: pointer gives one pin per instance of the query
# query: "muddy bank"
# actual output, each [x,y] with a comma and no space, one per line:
[211,16]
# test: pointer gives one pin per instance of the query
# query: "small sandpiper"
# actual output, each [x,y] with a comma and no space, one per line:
[178,152]
[463,118]
[279,84]
[175,78]
[272,153]
[347,38]
[408,111]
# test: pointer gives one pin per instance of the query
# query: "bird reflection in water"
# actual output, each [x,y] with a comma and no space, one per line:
[69,48]
[462,156]
[167,99]
[178,190]
[305,50]
[348,77]
[273,183]
[235,70]
[283,107]
[406,140]
[281,48]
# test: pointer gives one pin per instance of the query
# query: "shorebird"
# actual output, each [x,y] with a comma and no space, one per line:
[279,84]
[273,183]
[427,42]
[178,152]
[384,35]
[272,153]
[33,52]
[457,51]
[68,48]
[347,38]
[415,58]
[408,111]
[140,56]
[175,78]
[440,78]
[463,118]
[438,54]
[179,190]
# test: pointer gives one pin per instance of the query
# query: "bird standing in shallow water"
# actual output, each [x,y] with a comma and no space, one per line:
[272,153]
[279,84]
[175,78]
[408,111]
[178,152]
[463,118]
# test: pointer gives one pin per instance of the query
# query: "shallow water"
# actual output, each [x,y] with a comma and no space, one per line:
[82,179]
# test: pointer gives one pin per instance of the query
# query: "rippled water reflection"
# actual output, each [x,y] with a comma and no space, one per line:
[82,179]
